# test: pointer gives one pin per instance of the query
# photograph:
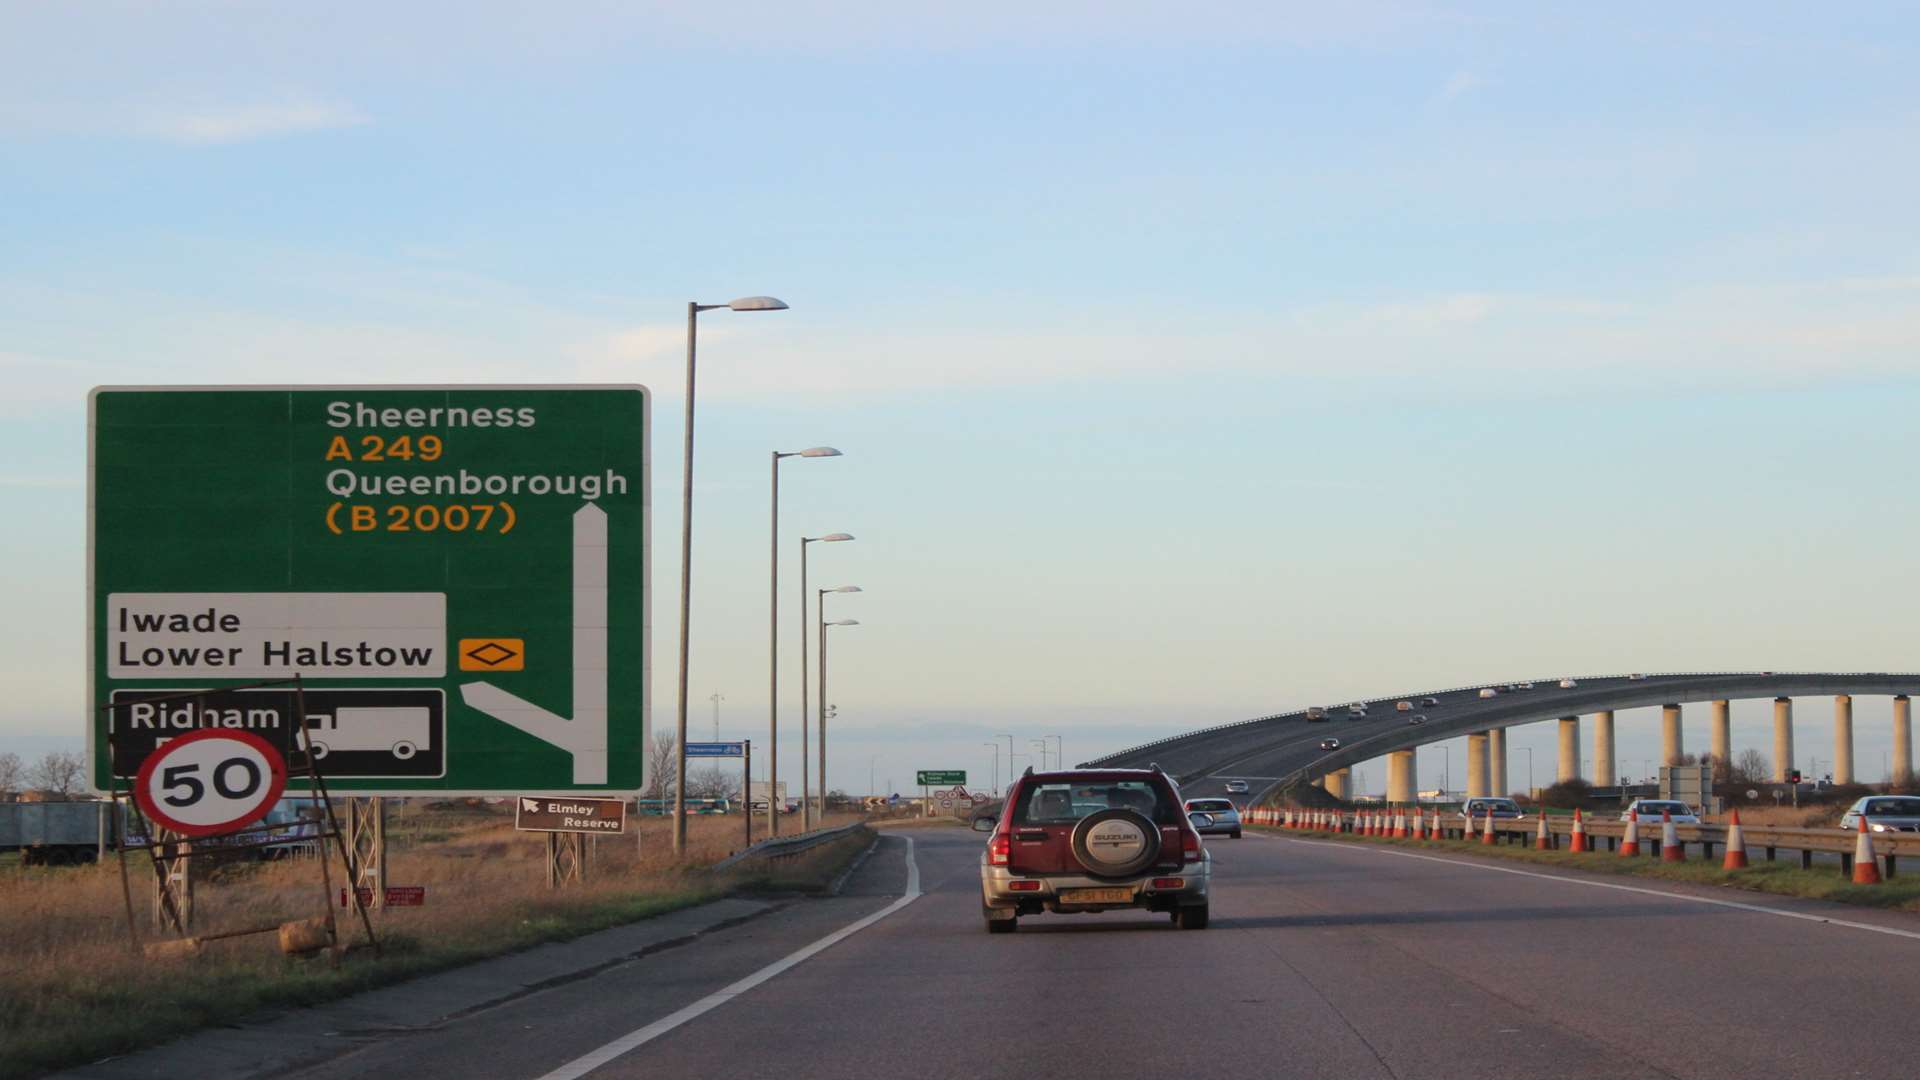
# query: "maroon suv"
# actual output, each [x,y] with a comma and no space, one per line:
[1088,840]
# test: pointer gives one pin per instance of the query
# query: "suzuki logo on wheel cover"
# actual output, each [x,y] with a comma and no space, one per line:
[1115,842]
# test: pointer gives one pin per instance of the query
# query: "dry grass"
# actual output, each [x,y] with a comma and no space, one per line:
[75,991]
[1784,817]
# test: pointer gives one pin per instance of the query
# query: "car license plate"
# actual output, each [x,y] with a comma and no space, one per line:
[1096,896]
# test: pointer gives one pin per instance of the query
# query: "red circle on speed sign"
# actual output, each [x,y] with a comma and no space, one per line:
[210,781]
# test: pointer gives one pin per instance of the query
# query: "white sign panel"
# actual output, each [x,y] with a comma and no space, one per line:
[275,635]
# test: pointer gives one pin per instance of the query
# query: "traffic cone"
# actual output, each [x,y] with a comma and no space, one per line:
[1670,847]
[1865,870]
[1630,843]
[1486,832]
[1736,846]
[1400,824]
[1543,840]
[1579,841]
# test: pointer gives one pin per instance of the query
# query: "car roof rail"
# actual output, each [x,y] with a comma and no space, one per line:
[1029,771]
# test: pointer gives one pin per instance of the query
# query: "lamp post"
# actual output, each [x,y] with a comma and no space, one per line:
[1059,751]
[745,303]
[822,774]
[1529,751]
[995,747]
[806,627]
[1042,744]
[823,692]
[773,640]
[1009,739]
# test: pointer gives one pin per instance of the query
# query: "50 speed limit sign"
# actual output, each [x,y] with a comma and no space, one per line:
[211,781]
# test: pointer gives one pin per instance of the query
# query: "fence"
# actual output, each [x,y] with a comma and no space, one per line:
[1762,841]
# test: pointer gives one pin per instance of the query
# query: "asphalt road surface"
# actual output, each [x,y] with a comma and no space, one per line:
[1324,959]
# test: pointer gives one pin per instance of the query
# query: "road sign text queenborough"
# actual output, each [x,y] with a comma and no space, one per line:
[457,575]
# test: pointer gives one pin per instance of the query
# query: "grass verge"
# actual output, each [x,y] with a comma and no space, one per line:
[75,992]
[1780,878]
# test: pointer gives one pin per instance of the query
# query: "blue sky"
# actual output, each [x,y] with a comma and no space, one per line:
[1190,366]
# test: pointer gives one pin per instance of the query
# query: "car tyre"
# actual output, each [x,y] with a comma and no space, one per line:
[1149,850]
[1191,918]
[1236,834]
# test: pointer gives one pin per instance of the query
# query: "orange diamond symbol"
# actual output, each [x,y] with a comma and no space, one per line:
[493,654]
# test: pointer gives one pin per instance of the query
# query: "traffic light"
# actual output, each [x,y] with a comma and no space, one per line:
[1793,777]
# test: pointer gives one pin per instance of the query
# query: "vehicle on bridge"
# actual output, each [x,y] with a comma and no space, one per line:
[1316,712]
[1329,744]
[1236,787]
[1226,817]
[1087,840]
[1884,813]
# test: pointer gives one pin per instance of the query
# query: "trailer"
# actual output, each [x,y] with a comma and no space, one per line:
[58,833]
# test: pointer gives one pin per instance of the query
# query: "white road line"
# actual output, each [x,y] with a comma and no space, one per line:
[586,1063]
[1475,864]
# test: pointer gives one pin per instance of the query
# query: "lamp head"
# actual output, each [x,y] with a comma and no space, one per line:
[844,622]
[843,588]
[757,303]
[819,451]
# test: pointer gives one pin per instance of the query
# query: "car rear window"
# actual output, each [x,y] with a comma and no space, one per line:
[1065,803]
[1210,805]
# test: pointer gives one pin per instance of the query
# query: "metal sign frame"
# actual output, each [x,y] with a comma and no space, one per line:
[621,746]
[171,853]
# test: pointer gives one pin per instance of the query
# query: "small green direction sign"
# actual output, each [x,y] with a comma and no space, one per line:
[930,777]
[457,575]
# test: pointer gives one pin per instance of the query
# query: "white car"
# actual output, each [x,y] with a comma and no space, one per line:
[1567,684]
[1488,691]
[1636,677]
[1651,809]
[1236,787]
[1430,702]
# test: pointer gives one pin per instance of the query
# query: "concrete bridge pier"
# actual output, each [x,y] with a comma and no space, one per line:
[1603,769]
[1782,738]
[1672,744]
[1400,774]
[1902,741]
[1722,734]
[1497,762]
[1477,764]
[1842,739]
[1569,750]
[1340,783]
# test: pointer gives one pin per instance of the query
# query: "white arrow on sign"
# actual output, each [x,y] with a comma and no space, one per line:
[585,735]
[531,806]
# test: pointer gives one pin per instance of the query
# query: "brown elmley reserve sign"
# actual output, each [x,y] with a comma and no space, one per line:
[561,813]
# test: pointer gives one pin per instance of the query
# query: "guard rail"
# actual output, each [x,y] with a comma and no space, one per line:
[787,847]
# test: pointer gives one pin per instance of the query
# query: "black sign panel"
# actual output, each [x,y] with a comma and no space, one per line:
[353,733]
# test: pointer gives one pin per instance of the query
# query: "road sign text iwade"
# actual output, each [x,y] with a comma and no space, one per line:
[563,814]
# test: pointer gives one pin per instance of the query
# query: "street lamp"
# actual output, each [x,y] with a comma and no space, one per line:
[1042,744]
[996,766]
[745,303]
[822,774]
[1059,751]
[773,641]
[806,627]
[823,691]
[1009,739]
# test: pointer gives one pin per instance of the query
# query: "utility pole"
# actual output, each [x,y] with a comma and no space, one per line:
[717,698]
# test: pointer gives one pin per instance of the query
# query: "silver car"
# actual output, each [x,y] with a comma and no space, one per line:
[1226,817]
[1651,809]
[1884,813]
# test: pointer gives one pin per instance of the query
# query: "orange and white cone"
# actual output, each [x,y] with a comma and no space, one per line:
[1736,846]
[1579,841]
[1486,832]
[1671,850]
[1865,870]
[1400,824]
[1630,843]
[1543,840]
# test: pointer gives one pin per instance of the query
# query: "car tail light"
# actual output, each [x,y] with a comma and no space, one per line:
[1169,883]
[999,849]
[1024,886]
[1190,845]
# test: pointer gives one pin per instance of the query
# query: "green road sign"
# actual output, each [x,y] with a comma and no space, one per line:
[930,777]
[458,575]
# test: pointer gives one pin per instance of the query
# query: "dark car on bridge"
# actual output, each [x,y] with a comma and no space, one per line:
[1087,840]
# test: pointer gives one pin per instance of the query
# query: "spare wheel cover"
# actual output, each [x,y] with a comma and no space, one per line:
[1115,842]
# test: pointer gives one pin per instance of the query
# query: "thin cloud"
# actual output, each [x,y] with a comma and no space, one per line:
[192,125]
[1460,84]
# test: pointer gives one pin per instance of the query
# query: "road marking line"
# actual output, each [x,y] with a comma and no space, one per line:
[633,1040]
[1782,912]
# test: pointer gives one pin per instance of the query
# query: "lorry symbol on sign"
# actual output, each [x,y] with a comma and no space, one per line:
[402,731]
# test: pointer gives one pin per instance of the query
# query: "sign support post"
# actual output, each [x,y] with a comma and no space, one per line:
[746,791]
[172,882]
[367,839]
